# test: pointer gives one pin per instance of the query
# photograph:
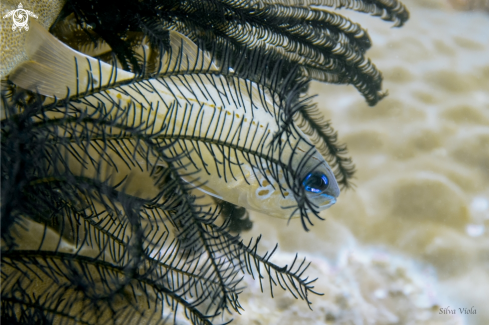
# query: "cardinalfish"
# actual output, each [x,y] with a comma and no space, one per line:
[225,130]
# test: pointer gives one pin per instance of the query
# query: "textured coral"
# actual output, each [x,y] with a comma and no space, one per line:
[470,4]
[12,42]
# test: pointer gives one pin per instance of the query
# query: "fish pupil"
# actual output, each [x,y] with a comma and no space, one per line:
[315,182]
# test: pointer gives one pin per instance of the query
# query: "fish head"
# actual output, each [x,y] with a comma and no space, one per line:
[307,179]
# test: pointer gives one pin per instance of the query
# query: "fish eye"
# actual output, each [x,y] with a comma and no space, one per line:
[315,182]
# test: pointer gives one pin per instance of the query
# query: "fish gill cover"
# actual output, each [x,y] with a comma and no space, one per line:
[79,245]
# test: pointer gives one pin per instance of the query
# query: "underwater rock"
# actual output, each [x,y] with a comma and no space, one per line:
[365,287]
[425,198]
[451,81]
[466,114]
[470,4]
[472,149]
[367,141]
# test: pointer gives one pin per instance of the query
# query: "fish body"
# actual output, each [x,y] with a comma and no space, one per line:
[226,131]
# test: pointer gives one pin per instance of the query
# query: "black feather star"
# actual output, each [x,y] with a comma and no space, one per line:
[80,245]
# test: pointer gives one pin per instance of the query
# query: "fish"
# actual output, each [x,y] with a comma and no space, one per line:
[227,133]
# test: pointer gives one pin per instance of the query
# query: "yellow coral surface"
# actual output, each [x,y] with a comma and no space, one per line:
[12,41]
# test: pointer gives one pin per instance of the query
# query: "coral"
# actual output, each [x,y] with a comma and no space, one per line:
[12,42]
[470,4]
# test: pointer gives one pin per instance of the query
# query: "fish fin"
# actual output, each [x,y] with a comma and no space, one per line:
[209,191]
[203,188]
[54,67]
[185,55]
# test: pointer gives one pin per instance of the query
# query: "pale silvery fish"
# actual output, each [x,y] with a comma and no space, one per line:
[230,130]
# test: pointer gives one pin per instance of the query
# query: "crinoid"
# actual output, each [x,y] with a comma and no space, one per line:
[100,219]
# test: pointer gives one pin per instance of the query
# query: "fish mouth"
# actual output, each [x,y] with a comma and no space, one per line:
[323,201]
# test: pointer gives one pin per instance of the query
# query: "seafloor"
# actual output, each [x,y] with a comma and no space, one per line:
[410,244]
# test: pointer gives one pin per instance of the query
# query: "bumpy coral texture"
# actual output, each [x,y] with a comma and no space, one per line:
[12,42]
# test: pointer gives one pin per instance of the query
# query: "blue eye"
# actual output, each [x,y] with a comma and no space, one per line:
[315,182]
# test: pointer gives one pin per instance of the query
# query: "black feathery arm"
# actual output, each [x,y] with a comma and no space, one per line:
[325,46]
[326,139]
[389,10]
